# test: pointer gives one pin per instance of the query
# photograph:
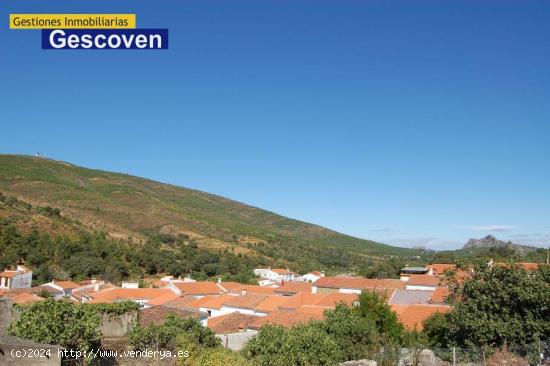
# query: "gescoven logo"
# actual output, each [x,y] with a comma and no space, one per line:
[152,39]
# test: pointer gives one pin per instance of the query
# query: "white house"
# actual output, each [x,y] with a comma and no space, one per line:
[423,282]
[245,304]
[66,286]
[21,277]
[311,276]
[355,285]
[278,275]
[126,284]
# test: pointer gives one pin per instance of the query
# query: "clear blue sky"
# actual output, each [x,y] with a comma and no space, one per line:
[424,122]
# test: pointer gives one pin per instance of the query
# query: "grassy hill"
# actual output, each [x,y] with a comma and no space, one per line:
[136,210]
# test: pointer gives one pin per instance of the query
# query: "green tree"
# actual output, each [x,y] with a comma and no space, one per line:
[497,306]
[355,335]
[373,306]
[165,336]
[346,333]
[306,344]
[59,322]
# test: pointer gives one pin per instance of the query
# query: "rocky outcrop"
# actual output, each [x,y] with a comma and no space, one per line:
[491,242]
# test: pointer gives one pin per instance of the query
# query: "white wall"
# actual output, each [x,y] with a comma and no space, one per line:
[350,291]
[420,287]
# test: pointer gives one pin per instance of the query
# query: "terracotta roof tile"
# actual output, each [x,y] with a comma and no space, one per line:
[216,302]
[230,323]
[24,298]
[9,274]
[359,283]
[413,316]
[439,295]
[120,294]
[246,301]
[198,303]
[157,314]
[231,287]
[254,289]
[181,302]
[440,268]
[271,303]
[424,280]
[301,298]
[66,285]
[288,318]
[331,299]
[294,287]
[281,271]
[163,299]
[198,288]
[526,266]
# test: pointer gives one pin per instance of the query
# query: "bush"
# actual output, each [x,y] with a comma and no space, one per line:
[165,336]
[501,306]
[346,333]
[59,322]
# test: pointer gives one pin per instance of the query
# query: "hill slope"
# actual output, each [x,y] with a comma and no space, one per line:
[135,210]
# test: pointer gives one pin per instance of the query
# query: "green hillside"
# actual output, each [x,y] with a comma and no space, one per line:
[137,210]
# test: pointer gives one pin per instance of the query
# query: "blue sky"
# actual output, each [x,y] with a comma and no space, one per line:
[411,123]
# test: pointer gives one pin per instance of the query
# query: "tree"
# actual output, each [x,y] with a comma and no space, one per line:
[355,335]
[346,333]
[498,306]
[59,322]
[165,336]
[373,306]
[306,344]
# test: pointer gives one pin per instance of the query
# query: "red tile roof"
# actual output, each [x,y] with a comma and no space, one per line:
[246,301]
[198,288]
[424,280]
[440,268]
[66,285]
[198,303]
[216,302]
[120,294]
[9,274]
[294,287]
[530,266]
[413,316]
[281,271]
[331,299]
[301,298]
[439,295]
[163,299]
[158,314]
[181,302]
[358,283]
[230,323]
[231,287]
[271,303]
[289,318]
[24,298]
[259,289]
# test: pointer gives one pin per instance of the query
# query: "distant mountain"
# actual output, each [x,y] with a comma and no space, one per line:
[134,210]
[491,242]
